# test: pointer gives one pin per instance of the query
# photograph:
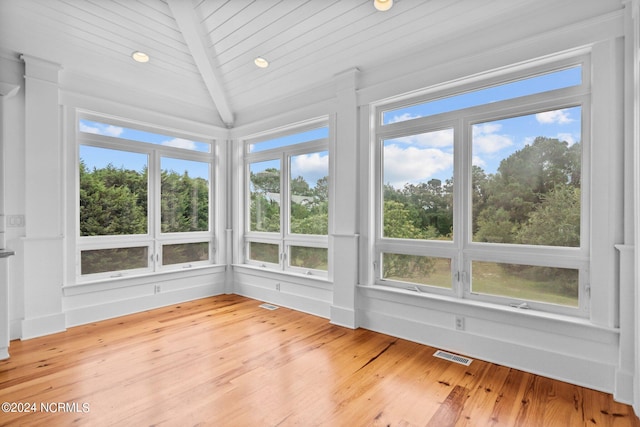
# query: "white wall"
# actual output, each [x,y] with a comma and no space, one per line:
[632,198]
[12,71]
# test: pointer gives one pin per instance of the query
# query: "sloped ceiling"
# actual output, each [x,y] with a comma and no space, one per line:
[202,51]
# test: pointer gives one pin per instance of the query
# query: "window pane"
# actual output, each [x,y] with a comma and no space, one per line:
[113,192]
[418,186]
[264,188]
[525,282]
[264,252]
[309,187]
[296,138]
[185,252]
[526,179]
[538,84]
[417,269]
[306,257]
[97,128]
[118,259]
[184,195]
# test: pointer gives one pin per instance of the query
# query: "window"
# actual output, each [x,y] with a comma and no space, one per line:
[143,202]
[287,199]
[481,190]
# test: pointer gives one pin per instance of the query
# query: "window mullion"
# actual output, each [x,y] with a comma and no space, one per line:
[153,203]
[462,197]
[285,194]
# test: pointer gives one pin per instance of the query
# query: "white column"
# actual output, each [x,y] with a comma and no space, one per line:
[6,91]
[626,352]
[42,246]
[632,104]
[344,210]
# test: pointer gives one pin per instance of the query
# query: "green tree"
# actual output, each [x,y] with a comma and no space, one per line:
[112,201]
[400,224]
[555,221]
[264,210]
[184,202]
[495,226]
[504,202]
[267,181]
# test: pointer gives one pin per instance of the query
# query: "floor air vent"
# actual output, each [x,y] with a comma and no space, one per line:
[453,357]
[269,306]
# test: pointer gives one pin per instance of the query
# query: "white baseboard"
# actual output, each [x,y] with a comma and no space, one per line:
[342,316]
[623,391]
[95,313]
[4,353]
[45,325]
[544,362]
[296,302]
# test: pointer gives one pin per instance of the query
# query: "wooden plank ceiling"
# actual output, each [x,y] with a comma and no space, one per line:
[202,51]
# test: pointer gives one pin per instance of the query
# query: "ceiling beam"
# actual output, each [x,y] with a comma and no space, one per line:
[190,28]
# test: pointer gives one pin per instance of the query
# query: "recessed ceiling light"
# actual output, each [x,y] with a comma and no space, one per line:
[383,5]
[261,62]
[140,56]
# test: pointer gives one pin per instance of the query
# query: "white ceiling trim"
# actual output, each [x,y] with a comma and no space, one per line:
[189,25]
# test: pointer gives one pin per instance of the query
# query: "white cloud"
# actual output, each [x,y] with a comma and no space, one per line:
[486,139]
[439,139]
[89,129]
[180,143]
[107,130]
[477,161]
[310,165]
[486,128]
[560,117]
[413,165]
[403,118]
[491,143]
[568,137]
[113,130]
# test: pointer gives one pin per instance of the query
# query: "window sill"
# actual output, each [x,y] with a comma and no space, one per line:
[530,319]
[309,280]
[139,279]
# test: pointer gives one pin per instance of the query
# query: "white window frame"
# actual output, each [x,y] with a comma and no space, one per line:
[154,239]
[284,238]
[462,250]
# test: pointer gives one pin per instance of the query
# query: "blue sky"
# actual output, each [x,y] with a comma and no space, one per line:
[311,166]
[95,157]
[296,138]
[421,157]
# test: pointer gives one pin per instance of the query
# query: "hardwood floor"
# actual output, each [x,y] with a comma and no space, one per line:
[224,361]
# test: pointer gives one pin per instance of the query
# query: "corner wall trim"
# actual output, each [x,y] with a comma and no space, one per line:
[45,325]
[343,316]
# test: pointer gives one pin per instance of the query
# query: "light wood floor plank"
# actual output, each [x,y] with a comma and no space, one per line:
[223,361]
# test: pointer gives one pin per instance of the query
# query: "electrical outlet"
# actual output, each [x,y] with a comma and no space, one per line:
[15,220]
[277,286]
[157,289]
[460,323]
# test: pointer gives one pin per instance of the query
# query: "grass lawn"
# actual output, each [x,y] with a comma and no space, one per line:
[490,278]
[440,276]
